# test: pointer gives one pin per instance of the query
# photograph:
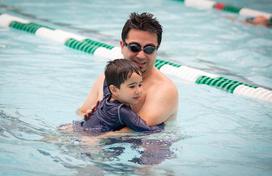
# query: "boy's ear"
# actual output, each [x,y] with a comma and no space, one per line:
[113,90]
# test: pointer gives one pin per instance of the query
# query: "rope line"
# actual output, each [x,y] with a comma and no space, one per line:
[107,51]
[207,4]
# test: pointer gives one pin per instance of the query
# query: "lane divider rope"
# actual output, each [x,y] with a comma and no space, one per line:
[207,4]
[110,52]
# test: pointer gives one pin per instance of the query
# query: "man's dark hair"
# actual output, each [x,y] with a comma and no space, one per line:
[143,22]
[119,70]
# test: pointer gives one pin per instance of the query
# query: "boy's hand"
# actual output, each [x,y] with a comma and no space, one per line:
[91,111]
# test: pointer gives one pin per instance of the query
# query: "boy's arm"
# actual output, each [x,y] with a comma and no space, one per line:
[134,122]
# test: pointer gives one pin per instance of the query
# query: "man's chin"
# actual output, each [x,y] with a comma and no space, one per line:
[143,70]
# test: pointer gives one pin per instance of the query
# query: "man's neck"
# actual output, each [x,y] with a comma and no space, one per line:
[147,75]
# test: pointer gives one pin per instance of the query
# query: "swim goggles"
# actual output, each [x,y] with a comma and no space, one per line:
[135,47]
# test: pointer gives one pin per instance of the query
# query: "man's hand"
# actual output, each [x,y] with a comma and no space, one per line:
[91,111]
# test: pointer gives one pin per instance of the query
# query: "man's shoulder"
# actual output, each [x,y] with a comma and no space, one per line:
[163,84]
[162,96]
[163,81]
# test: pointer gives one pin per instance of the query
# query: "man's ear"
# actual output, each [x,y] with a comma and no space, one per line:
[121,44]
[113,90]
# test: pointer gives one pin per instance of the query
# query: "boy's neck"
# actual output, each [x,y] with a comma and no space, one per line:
[115,98]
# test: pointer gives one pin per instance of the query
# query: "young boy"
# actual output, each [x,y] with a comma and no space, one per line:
[122,88]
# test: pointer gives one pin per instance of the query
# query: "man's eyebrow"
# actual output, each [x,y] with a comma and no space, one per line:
[149,44]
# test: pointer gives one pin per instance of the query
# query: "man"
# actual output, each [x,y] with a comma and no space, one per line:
[141,38]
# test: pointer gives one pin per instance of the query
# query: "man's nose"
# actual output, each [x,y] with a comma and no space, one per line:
[141,55]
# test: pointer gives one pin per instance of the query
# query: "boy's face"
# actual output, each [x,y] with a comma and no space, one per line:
[131,90]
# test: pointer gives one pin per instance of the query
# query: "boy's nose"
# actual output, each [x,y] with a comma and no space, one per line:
[139,91]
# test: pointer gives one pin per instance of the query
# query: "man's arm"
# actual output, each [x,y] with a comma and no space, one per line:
[95,94]
[161,104]
[136,123]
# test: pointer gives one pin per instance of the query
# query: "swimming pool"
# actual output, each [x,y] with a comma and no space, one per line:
[42,83]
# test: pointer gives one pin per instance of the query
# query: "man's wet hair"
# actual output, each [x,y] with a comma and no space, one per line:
[144,22]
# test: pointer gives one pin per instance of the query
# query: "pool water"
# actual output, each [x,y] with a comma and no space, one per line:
[42,83]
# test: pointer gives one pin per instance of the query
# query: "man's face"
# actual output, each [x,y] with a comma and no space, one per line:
[143,38]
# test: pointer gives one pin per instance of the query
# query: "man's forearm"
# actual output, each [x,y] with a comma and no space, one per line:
[119,133]
[80,112]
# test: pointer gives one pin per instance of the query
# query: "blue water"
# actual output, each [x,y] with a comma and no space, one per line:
[42,83]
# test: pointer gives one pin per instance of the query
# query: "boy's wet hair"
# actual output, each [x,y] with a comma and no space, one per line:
[143,22]
[119,70]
